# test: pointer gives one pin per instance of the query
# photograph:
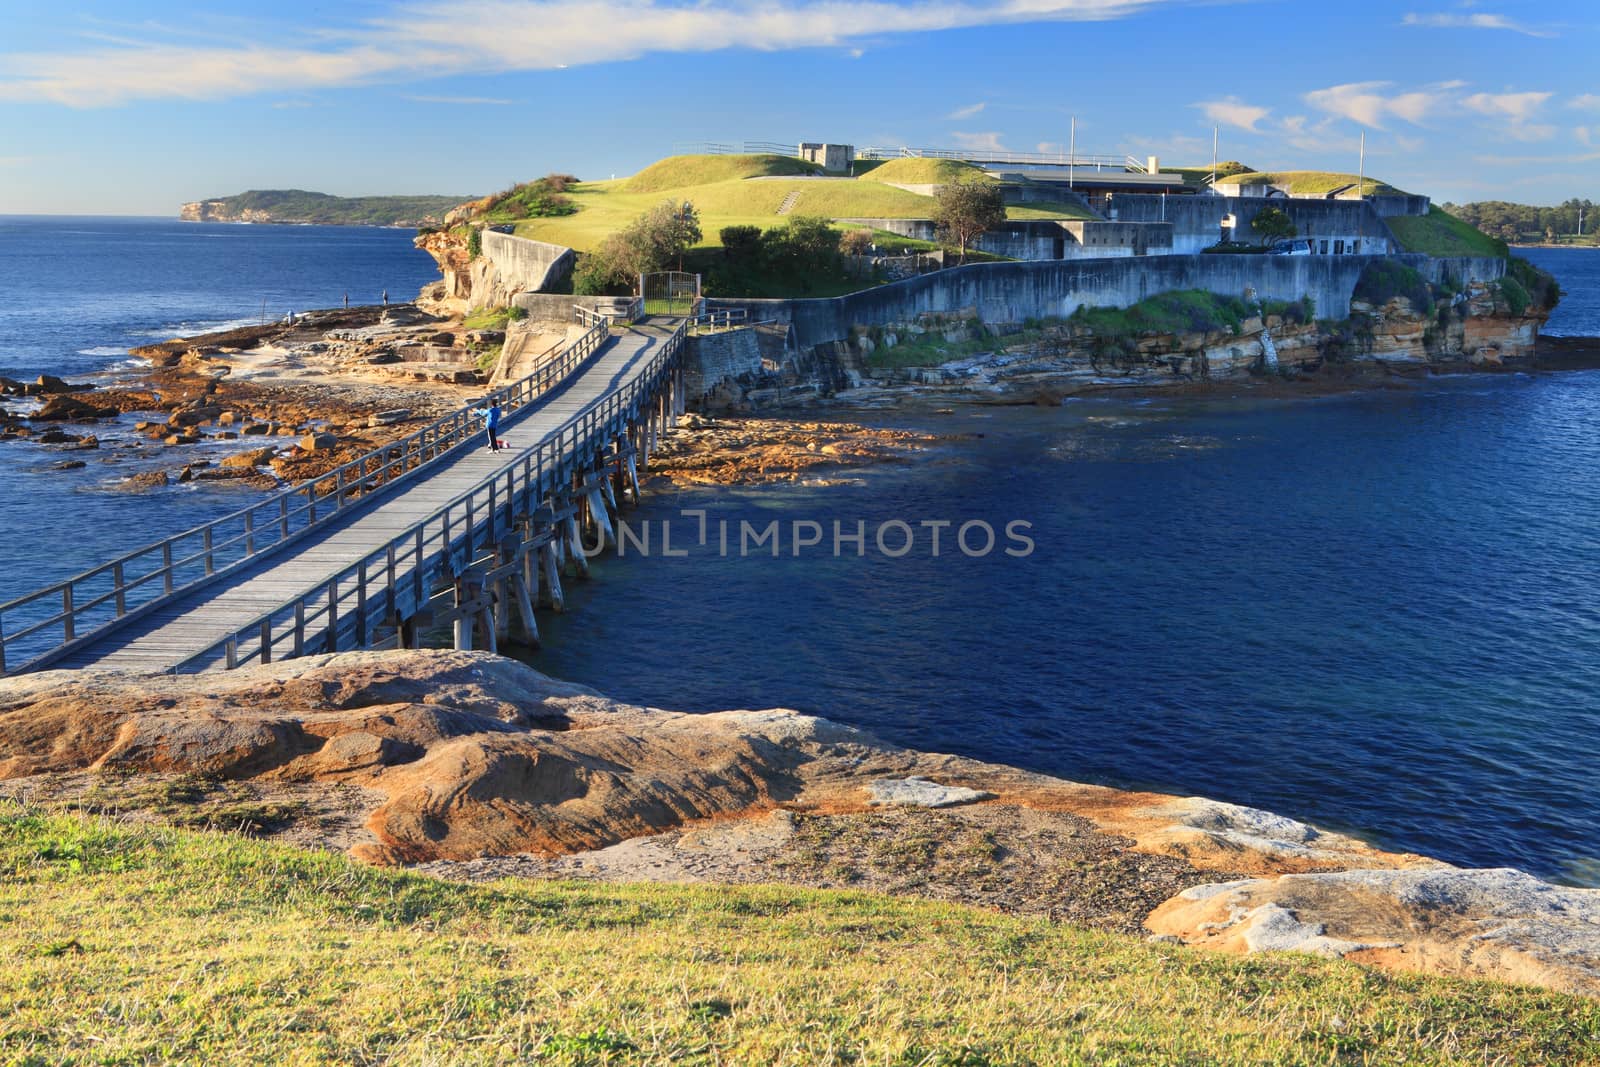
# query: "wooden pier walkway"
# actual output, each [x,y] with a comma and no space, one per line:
[383,559]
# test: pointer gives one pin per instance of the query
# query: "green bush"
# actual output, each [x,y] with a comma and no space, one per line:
[1540,286]
[1515,295]
[475,243]
[1384,279]
[1180,311]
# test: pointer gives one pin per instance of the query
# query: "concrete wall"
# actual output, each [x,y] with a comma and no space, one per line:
[524,265]
[555,307]
[716,357]
[1041,239]
[1014,292]
[1196,220]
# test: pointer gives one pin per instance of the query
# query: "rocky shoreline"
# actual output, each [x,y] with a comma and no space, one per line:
[259,407]
[470,766]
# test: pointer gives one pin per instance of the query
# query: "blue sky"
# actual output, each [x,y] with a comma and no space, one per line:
[132,108]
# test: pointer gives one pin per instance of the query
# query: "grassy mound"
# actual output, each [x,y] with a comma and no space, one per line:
[607,206]
[245,953]
[925,172]
[680,172]
[1311,182]
[1439,233]
[1199,177]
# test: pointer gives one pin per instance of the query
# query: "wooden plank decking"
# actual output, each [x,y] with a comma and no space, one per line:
[196,620]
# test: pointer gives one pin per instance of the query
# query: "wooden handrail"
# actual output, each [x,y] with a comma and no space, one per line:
[458,527]
[81,618]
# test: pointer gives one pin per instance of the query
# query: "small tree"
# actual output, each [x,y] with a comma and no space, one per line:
[1273,225]
[813,242]
[854,243]
[964,210]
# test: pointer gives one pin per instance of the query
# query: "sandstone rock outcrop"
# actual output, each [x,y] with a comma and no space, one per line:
[1501,924]
[454,756]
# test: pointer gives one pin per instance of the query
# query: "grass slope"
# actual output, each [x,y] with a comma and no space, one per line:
[1310,182]
[925,172]
[607,206]
[1439,233]
[125,945]
[679,172]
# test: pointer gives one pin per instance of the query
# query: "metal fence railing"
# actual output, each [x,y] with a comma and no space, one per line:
[621,310]
[1124,163]
[40,626]
[735,148]
[396,579]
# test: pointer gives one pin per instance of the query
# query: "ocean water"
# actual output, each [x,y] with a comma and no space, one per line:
[81,291]
[1376,612]
[1379,613]
[1578,271]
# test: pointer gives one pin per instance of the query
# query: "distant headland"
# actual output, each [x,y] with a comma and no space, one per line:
[299,207]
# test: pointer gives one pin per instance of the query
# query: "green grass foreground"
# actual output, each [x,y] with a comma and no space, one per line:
[127,945]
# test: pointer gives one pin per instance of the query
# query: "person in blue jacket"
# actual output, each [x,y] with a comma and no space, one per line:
[491,415]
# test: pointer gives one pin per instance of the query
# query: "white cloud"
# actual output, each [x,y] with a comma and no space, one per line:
[1483,21]
[1515,112]
[1234,112]
[967,112]
[1366,103]
[464,101]
[987,141]
[430,38]
[1518,107]
[1586,102]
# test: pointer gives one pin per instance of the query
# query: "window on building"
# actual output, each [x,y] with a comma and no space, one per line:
[1355,247]
[1338,248]
[1324,249]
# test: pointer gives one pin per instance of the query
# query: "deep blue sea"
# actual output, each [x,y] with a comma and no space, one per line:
[1377,612]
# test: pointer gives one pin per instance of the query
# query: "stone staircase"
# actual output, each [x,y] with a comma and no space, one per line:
[789,202]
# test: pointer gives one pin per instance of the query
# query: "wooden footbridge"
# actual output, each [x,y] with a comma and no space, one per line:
[428,532]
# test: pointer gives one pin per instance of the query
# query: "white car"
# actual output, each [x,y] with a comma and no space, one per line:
[1290,248]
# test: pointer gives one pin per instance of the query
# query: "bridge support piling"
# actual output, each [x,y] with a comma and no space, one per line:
[575,543]
[415,629]
[469,596]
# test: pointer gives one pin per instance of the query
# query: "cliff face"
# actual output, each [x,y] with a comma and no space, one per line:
[1476,327]
[221,211]
[469,281]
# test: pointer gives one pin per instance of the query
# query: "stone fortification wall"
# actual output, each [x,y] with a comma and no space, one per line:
[713,358]
[1015,292]
[525,265]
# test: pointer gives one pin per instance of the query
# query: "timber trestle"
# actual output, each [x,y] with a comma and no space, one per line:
[470,542]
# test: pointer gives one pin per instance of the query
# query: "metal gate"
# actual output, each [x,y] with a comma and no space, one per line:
[670,292]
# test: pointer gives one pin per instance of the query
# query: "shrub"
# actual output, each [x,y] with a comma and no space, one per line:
[475,243]
[1516,297]
[1540,286]
[1180,311]
[741,245]
[1384,279]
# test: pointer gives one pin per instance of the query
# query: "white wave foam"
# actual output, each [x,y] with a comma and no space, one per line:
[103,350]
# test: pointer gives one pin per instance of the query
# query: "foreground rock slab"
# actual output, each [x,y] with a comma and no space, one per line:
[479,766]
[1498,923]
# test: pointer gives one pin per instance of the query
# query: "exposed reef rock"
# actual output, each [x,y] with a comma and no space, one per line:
[456,758]
[1487,923]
